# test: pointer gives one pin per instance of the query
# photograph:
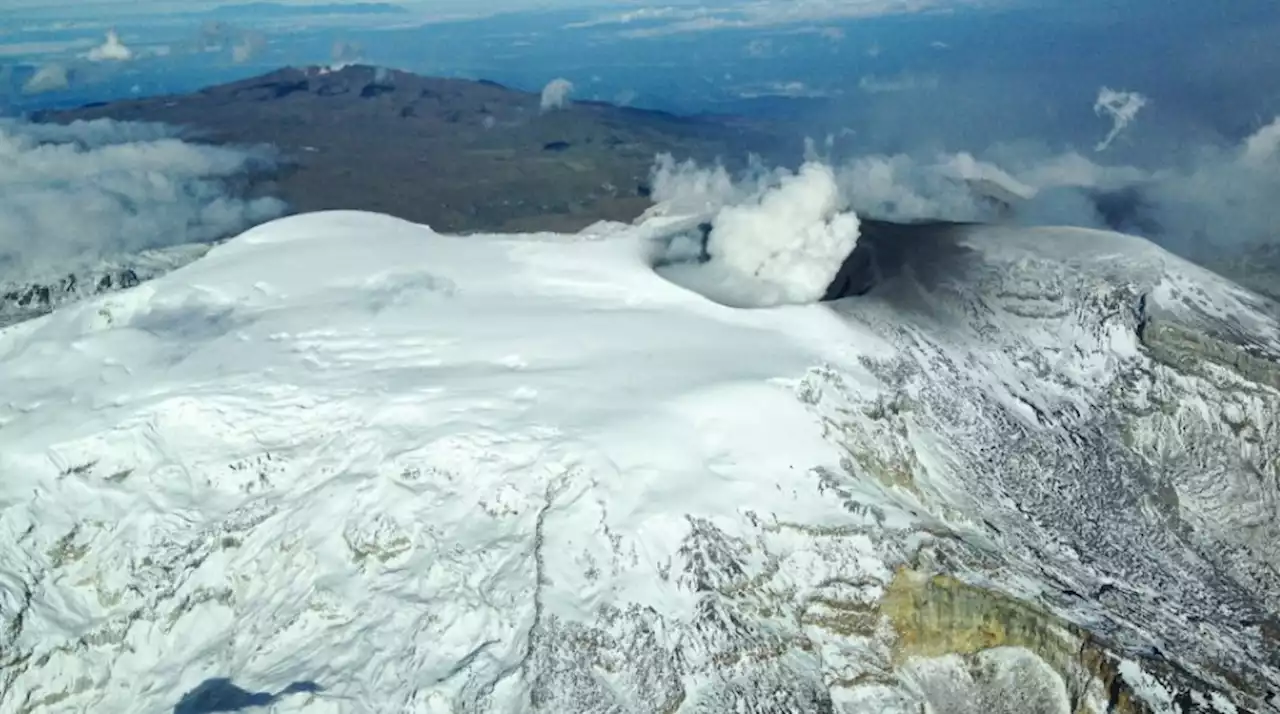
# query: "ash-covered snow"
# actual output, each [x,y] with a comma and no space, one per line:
[352,465]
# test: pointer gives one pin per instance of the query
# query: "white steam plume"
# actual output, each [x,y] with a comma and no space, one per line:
[779,238]
[902,188]
[556,94]
[1121,107]
[687,188]
[793,238]
[112,50]
[94,189]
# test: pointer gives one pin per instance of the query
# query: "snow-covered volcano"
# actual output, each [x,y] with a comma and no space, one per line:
[342,463]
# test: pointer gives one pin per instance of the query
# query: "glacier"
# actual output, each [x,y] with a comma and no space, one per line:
[343,463]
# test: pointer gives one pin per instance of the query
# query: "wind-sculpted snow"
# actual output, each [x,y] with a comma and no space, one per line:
[344,464]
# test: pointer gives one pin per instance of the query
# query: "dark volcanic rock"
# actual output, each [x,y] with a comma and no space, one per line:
[457,155]
[885,249]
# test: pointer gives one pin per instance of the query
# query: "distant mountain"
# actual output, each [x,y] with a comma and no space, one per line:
[458,155]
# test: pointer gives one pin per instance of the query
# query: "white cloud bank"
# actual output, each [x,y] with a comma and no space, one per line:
[93,189]
[111,50]
[556,94]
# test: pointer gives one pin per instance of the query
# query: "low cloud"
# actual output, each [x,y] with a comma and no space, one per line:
[556,94]
[1121,107]
[112,50]
[70,194]
[51,77]
[1214,201]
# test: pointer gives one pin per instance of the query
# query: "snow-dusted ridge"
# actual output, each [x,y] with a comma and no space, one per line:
[400,471]
[24,295]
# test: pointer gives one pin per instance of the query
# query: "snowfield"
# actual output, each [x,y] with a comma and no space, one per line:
[342,463]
